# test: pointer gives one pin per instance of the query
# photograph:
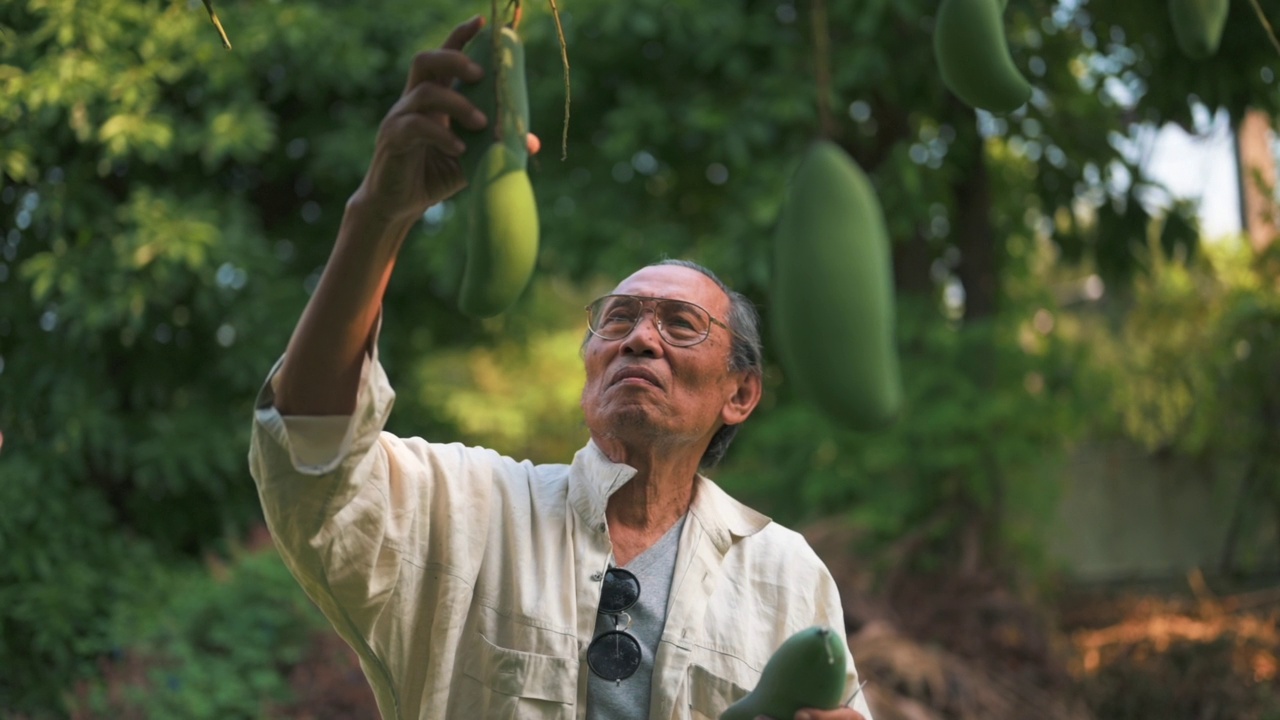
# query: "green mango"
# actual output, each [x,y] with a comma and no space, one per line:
[832,298]
[502,232]
[1197,25]
[502,235]
[806,671]
[973,56]
[502,95]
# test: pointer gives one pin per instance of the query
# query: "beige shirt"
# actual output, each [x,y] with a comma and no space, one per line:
[468,582]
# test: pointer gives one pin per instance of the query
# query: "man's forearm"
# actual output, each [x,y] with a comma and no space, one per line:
[321,370]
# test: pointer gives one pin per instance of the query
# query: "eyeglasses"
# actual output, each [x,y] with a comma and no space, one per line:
[680,323]
[615,654]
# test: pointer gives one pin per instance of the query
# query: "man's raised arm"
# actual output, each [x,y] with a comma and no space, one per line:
[414,165]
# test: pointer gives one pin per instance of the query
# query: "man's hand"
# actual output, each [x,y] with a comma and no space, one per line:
[840,713]
[415,159]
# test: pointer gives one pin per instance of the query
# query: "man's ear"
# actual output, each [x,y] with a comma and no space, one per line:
[744,399]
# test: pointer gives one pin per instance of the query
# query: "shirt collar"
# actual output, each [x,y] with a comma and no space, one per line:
[726,520]
[593,478]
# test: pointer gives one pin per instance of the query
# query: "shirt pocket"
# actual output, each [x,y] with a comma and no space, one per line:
[516,685]
[710,693]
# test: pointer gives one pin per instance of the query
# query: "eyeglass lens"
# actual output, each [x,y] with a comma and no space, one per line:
[615,654]
[613,317]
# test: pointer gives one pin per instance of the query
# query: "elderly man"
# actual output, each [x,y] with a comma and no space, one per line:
[622,585]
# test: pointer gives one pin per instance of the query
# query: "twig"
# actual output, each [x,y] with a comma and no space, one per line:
[495,61]
[226,41]
[1266,25]
[822,67]
[564,59]
[1200,588]
[1226,562]
[849,702]
[1251,600]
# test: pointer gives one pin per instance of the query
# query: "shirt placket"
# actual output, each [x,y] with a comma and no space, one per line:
[699,561]
[593,550]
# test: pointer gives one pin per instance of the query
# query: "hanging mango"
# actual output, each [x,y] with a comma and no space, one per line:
[833,298]
[502,232]
[973,55]
[1197,25]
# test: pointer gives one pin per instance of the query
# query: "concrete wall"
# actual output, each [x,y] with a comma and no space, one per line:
[1124,515]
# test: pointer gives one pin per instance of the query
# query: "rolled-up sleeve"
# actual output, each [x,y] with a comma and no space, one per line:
[310,470]
[385,534]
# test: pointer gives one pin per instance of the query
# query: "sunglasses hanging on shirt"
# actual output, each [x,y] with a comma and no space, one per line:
[615,654]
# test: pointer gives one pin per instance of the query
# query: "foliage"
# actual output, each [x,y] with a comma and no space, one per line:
[64,568]
[979,441]
[1187,367]
[1163,85]
[158,199]
[214,645]
[519,395]
[1194,356]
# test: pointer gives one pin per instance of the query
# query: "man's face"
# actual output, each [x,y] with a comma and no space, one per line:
[642,389]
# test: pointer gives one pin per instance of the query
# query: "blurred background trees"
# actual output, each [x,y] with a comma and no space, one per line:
[168,205]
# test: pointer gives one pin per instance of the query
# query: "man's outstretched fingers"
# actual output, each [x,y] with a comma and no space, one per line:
[412,129]
[464,32]
[441,67]
[430,98]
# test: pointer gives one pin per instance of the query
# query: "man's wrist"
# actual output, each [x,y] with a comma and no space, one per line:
[375,225]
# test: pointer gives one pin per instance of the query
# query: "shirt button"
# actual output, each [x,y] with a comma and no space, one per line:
[601,527]
[595,577]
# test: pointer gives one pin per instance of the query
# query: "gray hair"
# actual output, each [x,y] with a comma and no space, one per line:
[746,353]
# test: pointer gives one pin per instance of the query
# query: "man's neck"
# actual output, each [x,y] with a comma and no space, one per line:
[644,509]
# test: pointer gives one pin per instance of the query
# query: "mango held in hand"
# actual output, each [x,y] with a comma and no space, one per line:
[833,300]
[501,95]
[973,55]
[806,671]
[502,232]
[1197,25]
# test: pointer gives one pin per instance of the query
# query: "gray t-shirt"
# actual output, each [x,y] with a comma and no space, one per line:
[629,699]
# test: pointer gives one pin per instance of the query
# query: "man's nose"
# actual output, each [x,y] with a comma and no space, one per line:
[644,338]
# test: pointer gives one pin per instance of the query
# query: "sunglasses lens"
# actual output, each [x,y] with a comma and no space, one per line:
[614,655]
[621,590]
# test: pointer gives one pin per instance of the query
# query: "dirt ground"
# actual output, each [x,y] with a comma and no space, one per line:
[1193,654]
[952,646]
[967,646]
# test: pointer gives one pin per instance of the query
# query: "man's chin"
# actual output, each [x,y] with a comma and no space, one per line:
[635,422]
